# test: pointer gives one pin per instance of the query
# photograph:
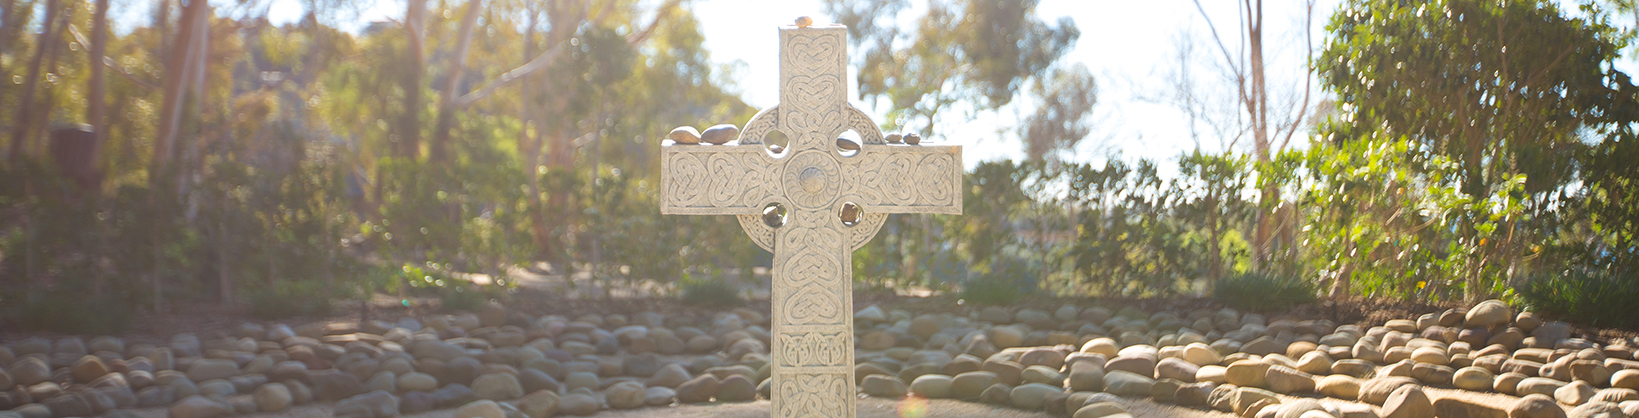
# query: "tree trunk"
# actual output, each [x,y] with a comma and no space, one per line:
[22,122]
[415,19]
[438,148]
[96,96]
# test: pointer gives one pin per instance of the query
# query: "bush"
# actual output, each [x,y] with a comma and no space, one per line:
[289,299]
[991,290]
[714,292]
[71,311]
[1263,291]
[1597,299]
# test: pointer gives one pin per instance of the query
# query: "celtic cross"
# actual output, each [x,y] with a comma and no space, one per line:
[813,180]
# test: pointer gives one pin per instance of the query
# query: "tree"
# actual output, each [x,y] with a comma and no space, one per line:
[973,52]
[1247,69]
[1065,100]
[1515,101]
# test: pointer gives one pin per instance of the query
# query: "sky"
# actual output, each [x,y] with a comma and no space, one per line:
[1130,46]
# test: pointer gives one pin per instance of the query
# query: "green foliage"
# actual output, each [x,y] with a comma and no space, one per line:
[710,291]
[289,299]
[1598,298]
[1263,291]
[994,289]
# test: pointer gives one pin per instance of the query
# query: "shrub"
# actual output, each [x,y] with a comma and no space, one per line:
[290,299]
[1263,291]
[72,311]
[713,291]
[991,290]
[1598,299]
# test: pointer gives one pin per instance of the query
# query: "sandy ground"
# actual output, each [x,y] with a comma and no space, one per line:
[885,408]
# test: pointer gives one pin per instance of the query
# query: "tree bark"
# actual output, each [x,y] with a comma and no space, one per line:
[415,20]
[438,148]
[96,96]
[22,122]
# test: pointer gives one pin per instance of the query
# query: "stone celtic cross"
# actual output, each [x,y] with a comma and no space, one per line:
[812,179]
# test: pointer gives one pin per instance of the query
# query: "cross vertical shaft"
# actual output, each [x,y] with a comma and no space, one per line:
[812,354]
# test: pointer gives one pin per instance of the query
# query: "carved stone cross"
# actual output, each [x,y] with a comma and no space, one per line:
[812,179]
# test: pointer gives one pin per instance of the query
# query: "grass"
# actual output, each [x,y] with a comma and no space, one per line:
[1598,298]
[1262,292]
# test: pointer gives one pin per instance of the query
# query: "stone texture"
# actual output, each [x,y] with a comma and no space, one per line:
[932,386]
[1122,383]
[698,390]
[272,397]
[883,386]
[539,404]
[1031,396]
[497,387]
[1535,406]
[199,407]
[1596,410]
[1339,386]
[1465,408]
[1408,401]
[481,409]
[377,404]
[625,395]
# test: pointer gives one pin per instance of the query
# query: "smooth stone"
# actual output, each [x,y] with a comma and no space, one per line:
[272,397]
[1123,383]
[1282,379]
[698,390]
[377,404]
[1473,378]
[670,376]
[932,386]
[1464,408]
[1245,398]
[1541,385]
[1043,374]
[1488,313]
[686,135]
[1616,395]
[883,386]
[497,386]
[1408,401]
[625,395]
[1596,410]
[736,388]
[577,404]
[199,407]
[332,385]
[1089,376]
[1247,373]
[1536,406]
[997,394]
[1032,396]
[481,409]
[416,381]
[1376,391]
[1575,393]
[1297,408]
[658,396]
[1100,410]
[208,369]
[539,404]
[581,380]
[970,385]
[719,134]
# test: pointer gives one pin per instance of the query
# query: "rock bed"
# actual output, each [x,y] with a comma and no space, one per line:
[1073,361]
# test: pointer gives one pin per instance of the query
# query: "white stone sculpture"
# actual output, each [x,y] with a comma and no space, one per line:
[812,299]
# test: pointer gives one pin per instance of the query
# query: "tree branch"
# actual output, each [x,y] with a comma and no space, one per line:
[110,62]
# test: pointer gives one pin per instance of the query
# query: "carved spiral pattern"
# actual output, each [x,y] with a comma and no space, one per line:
[812,179]
[815,396]
[814,349]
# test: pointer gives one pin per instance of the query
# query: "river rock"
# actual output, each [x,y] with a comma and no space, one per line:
[1122,383]
[1596,410]
[272,397]
[1032,396]
[1464,408]
[1536,406]
[932,386]
[539,404]
[1282,379]
[1247,373]
[1575,393]
[1376,391]
[883,386]
[698,390]
[199,407]
[578,404]
[377,404]
[497,386]
[1488,314]
[1408,401]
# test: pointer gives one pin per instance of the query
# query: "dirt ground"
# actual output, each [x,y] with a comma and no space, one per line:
[887,408]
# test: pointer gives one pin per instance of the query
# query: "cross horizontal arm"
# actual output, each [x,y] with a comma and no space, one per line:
[716,179]
[905,179]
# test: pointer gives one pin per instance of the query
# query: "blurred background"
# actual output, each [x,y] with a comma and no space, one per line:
[279,157]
